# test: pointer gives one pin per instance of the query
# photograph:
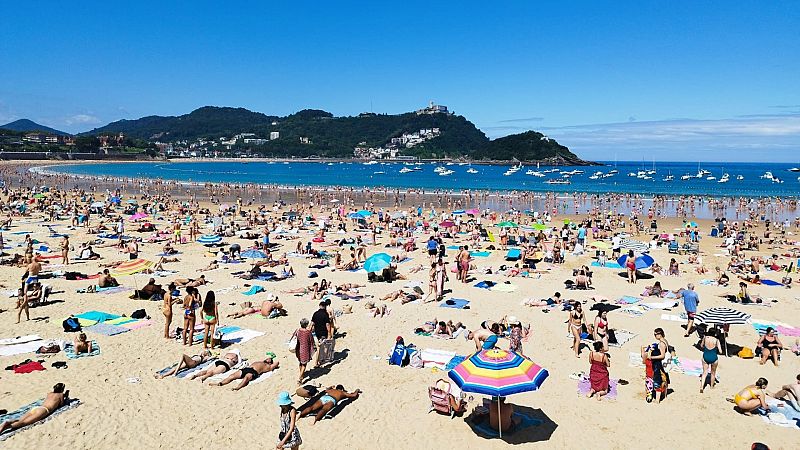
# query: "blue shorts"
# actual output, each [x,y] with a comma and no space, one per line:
[327,399]
[31,280]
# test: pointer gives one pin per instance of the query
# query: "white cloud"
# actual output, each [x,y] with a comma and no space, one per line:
[82,119]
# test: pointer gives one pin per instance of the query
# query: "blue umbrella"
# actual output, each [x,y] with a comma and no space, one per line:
[253,253]
[459,212]
[377,262]
[642,261]
[209,239]
[364,213]
[115,200]
[355,215]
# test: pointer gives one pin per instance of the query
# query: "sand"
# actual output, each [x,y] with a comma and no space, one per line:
[393,410]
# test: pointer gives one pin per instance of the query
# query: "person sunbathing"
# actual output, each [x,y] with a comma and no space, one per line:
[329,399]
[106,280]
[790,393]
[247,309]
[272,307]
[248,374]
[186,362]
[190,282]
[52,402]
[405,297]
[220,366]
[82,344]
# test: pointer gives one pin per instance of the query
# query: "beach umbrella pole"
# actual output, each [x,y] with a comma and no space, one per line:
[499,419]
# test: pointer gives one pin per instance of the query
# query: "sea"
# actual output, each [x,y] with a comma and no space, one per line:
[752,180]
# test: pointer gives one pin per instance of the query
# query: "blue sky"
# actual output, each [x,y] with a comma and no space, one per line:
[677,80]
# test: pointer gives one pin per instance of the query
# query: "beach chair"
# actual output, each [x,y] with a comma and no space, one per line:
[694,247]
[326,351]
[439,395]
[714,232]
[673,247]
[513,254]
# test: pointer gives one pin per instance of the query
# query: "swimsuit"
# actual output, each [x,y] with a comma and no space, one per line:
[223,363]
[738,398]
[251,371]
[327,399]
[32,279]
[710,355]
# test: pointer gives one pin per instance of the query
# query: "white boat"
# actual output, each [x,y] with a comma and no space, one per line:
[668,178]
[446,172]
[711,178]
[558,181]
[767,176]
[613,172]
[535,173]
[686,177]
[794,169]
[439,169]
[406,170]
[594,177]
[369,163]
[777,180]
[471,170]
[724,179]
[380,172]
[740,177]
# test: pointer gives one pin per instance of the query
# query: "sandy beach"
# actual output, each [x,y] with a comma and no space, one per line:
[124,406]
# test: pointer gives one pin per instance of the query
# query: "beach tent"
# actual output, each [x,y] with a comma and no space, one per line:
[498,373]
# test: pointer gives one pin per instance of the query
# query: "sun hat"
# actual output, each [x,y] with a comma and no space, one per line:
[284,399]
[512,320]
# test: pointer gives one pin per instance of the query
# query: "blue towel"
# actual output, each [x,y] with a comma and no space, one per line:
[254,290]
[513,254]
[485,284]
[609,265]
[454,361]
[97,316]
[480,254]
[457,303]
[771,283]
[524,422]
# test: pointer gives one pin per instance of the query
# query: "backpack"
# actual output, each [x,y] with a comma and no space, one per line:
[71,324]
[139,314]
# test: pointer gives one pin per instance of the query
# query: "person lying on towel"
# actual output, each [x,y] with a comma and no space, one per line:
[248,374]
[52,402]
[329,399]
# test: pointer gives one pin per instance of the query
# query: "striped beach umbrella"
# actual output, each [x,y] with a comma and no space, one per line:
[722,316]
[637,246]
[209,239]
[253,253]
[498,373]
[133,266]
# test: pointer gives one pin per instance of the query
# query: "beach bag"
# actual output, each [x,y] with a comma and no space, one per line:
[71,324]
[746,353]
[139,314]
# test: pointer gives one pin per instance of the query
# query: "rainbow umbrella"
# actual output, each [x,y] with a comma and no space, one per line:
[133,266]
[498,373]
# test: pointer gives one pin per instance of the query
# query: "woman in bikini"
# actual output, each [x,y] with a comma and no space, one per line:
[711,350]
[222,365]
[575,324]
[52,402]
[190,304]
[166,308]
[601,329]
[771,346]
[210,319]
[186,362]
[752,397]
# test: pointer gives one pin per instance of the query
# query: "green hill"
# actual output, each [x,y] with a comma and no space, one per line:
[25,125]
[314,132]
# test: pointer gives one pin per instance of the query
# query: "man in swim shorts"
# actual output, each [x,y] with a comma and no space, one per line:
[329,399]
[248,374]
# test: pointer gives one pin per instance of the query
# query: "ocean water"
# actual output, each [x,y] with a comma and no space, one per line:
[357,174]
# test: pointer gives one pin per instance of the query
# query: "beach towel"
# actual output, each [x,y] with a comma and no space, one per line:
[523,421]
[623,336]
[503,287]
[673,318]
[633,311]
[454,361]
[112,290]
[784,416]
[186,372]
[609,265]
[585,386]
[96,316]
[221,376]
[120,321]
[628,300]
[708,282]
[513,254]
[436,358]
[766,282]
[485,284]
[686,366]
[253,290]
[635,360]
[660,305]
[70,404]
[240,336]
[106,329]
[482,254]
[25,344]
[69,350]
[457,303]
[136,324]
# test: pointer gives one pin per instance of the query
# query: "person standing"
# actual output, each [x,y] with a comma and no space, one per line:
[210,319]
[64,250]
[690,302]
[598,371]
[289,436]
[658,354]
[167,308]
[304,347]
[711,349]
[630,266]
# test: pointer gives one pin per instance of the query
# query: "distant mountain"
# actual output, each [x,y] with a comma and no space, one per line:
[314,132]
[25,125]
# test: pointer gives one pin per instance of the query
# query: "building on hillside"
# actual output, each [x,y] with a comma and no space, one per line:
[433,108]
[274,135]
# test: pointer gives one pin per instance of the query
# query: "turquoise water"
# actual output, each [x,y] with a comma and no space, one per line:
[357,174]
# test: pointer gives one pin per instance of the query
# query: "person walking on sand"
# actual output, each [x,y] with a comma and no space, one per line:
[690,302]
[289,436]
[304,348]
[711,349]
